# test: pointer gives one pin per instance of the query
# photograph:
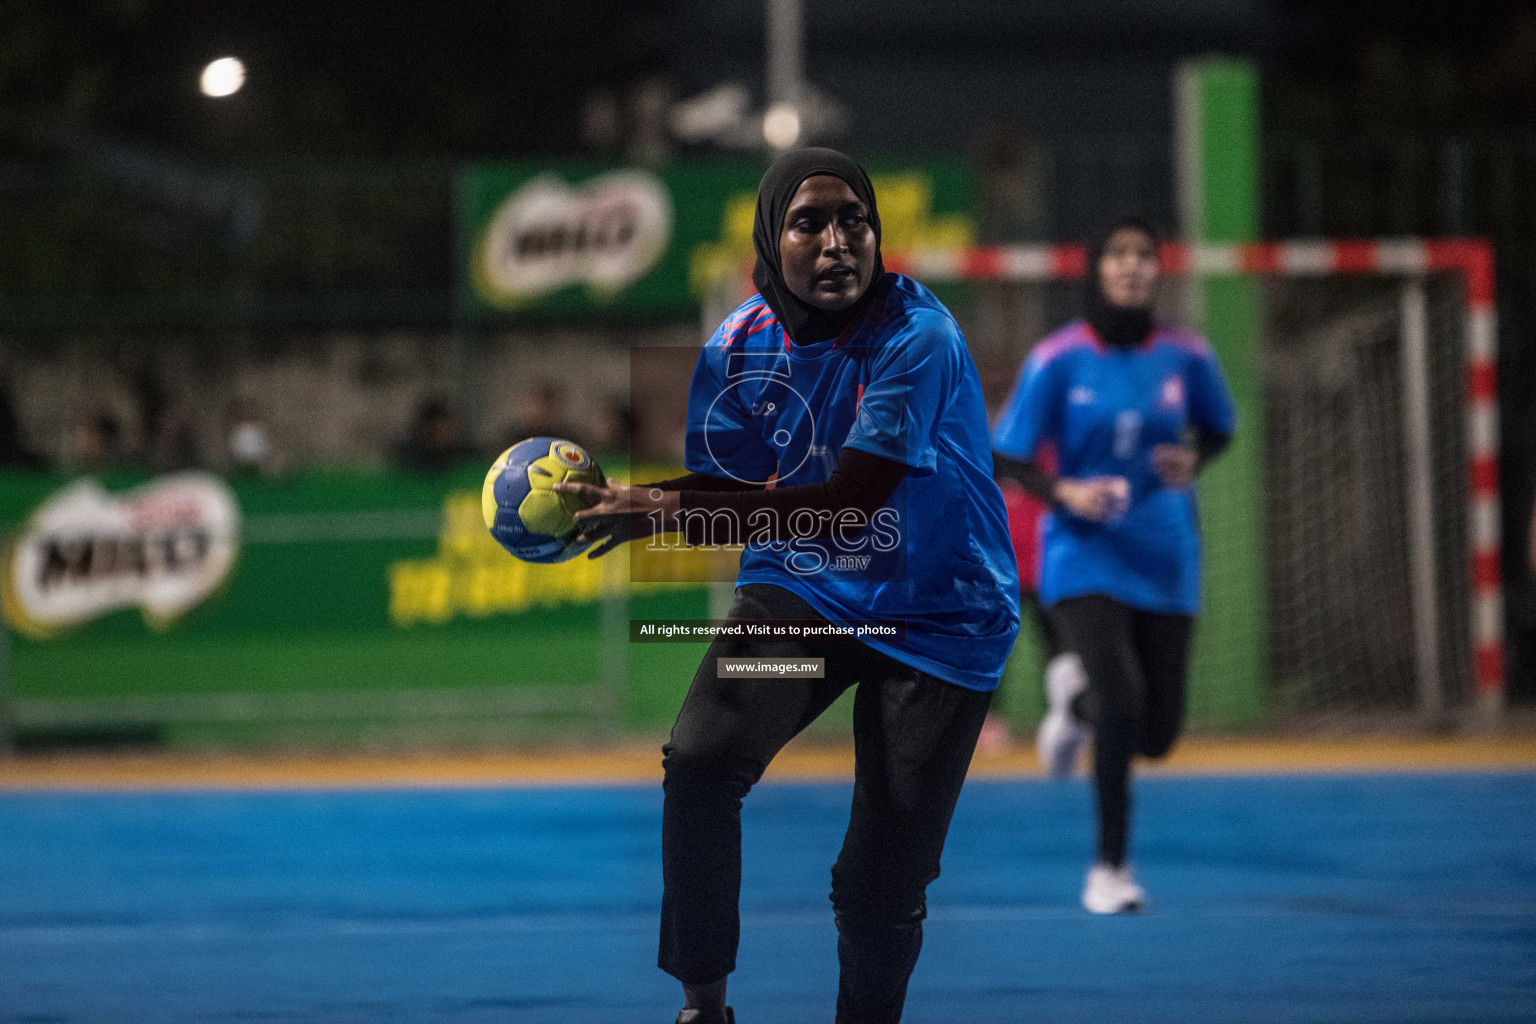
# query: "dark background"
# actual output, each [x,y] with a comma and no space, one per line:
[120,184]
[493,79]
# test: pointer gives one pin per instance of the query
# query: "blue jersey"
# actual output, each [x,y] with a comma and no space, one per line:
[902,386]
[1106,409]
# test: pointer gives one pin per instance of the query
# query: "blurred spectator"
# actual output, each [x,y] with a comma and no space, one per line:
[1011,186]
[675,444]
[542,414]
[170,445]
[13,453]
[97,444]
[436,441]
[611,429]
[252,451]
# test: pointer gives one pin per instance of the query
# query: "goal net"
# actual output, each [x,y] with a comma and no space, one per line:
[1370,506]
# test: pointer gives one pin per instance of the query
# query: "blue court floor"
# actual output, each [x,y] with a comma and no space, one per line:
[1282,900]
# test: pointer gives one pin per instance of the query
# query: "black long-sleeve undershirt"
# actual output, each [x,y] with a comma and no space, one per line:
[1034,479]
[842,505]
[1208,445]
[1028,473]
[704,482]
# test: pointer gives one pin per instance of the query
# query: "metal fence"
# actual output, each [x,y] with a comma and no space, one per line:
[88,250]
[131,240]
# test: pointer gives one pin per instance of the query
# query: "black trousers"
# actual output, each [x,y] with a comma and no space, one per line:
[913,739]
[1137,664]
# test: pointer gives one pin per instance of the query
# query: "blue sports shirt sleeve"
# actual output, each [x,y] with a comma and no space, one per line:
[910,382]
[1210,401]
[722,439]
[1033,411]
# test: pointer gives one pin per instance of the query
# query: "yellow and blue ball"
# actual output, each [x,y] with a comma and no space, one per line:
[521,509]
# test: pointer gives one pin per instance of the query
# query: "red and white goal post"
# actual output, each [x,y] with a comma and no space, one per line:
[1409,262]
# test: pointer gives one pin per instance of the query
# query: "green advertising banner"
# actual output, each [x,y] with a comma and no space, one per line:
[600,238]
[332,607]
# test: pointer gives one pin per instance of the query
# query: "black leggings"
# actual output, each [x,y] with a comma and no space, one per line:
[1136,662]
[913,738]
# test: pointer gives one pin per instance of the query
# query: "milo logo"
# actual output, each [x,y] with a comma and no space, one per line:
[548,235]
[164,547]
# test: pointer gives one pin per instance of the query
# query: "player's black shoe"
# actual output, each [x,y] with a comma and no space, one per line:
[691,1016]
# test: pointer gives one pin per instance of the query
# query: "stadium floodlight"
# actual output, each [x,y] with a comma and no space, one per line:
[223,77]
[781,126]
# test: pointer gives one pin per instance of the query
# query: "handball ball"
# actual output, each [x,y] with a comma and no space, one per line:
[523,512]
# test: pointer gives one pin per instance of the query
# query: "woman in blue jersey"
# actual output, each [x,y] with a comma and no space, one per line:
[1135,409]
[835,426]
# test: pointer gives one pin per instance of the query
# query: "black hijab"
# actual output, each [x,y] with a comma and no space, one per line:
[1121,326]
[805,324]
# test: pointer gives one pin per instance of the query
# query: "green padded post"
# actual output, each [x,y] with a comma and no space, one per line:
[1217,156]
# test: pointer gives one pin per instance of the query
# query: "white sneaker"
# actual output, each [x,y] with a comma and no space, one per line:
[1111,890]
[1061,737]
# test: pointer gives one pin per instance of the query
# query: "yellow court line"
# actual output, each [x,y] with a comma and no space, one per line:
[641,765]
